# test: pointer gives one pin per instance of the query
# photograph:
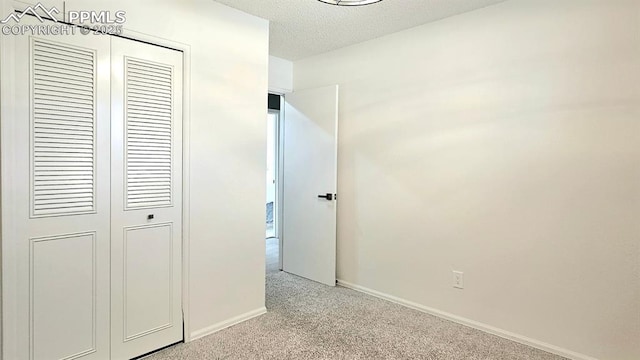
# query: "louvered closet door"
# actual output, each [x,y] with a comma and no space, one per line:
[61,153]
[146,198]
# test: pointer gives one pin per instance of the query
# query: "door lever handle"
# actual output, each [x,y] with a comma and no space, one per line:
[327,196]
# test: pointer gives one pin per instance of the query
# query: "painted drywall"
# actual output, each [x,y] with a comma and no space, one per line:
[228,108]
[503,143]
[280,75]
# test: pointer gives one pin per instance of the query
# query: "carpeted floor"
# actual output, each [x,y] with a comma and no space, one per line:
[307,320]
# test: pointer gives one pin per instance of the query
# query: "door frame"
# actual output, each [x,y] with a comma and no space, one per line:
[8,230]
[279,209]
[276,165]
[279,133]
[280,180]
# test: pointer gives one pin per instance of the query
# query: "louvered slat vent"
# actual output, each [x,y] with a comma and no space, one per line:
[63,129]
[149,115]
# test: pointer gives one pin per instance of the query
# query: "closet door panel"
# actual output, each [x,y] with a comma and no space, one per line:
[146,198]
[63,291]
[63,129]
[61,153]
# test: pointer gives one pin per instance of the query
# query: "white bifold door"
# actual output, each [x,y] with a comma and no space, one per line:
[310,184]
[146,202]
[93,270]
[61,153]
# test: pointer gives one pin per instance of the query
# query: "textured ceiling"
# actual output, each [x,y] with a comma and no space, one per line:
[301,28]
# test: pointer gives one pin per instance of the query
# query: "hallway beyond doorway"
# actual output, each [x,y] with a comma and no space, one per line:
[272,174]
[273,251]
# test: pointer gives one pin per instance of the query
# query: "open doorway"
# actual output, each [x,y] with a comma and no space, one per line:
[302,183]
[272,221]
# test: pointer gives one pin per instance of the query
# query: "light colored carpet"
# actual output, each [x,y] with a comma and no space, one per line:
[307,320]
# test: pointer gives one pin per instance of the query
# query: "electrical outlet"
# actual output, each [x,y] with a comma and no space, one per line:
[458,279]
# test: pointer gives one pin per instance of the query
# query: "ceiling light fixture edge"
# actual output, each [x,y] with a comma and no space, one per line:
[350,2]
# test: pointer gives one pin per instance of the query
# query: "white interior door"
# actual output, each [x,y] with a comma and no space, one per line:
[146,212]
[310,171]
[60,194]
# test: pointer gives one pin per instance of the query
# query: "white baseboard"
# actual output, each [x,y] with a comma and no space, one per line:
[227,323]
[470,323]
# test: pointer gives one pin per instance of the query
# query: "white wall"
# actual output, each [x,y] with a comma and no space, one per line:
[504,143]
[229,70]
[280,75]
